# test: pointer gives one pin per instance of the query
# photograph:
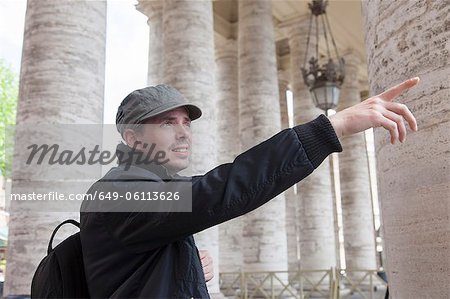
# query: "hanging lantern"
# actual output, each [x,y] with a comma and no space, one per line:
[324,81]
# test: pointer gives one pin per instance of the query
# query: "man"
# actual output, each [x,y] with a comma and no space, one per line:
[137,254]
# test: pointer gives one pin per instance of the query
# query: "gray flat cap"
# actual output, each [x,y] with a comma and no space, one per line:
[150,101]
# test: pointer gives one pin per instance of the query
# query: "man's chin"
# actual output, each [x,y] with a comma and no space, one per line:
[175,166]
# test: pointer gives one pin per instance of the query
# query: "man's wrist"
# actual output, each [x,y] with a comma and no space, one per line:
[336,125]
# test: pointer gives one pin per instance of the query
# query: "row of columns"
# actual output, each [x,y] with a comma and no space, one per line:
[265,248]
[187,59]
[249,112]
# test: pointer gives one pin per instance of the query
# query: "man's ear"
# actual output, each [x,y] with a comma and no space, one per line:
[130,138]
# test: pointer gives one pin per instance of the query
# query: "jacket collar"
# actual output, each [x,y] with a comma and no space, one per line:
[128,156]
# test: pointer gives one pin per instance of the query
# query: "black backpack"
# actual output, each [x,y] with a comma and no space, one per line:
[61,273]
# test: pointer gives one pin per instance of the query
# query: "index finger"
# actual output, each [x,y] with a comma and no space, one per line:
[395,91]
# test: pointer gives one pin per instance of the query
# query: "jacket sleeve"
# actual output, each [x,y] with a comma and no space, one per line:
[230,190]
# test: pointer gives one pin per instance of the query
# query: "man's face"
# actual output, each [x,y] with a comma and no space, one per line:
[170,133]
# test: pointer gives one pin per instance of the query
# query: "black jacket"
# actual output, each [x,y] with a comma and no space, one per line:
[153,255]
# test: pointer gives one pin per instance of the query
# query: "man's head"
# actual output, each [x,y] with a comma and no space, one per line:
[155,119]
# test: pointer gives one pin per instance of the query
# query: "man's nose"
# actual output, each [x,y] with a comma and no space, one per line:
[182,131]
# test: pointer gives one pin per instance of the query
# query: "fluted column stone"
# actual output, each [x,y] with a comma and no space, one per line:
[405,39]
[61,82]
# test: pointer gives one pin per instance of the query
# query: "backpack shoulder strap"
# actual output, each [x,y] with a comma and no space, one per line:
[71,221]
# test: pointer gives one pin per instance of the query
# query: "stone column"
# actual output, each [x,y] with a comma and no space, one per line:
[290,197]
[189,66]
[283,83]
[316,219]
[153,10]
[265,247]
[230,233]
[405,39]
[292,231]
[61,82]
[357,211]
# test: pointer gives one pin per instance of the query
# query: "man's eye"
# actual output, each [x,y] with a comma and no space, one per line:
[188,124]
[166,124]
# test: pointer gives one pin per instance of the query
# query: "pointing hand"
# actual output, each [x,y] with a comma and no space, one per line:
[377,111]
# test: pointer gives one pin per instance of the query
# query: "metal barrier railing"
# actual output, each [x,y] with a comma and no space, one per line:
[278,284]
[362,282]
[332,284]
